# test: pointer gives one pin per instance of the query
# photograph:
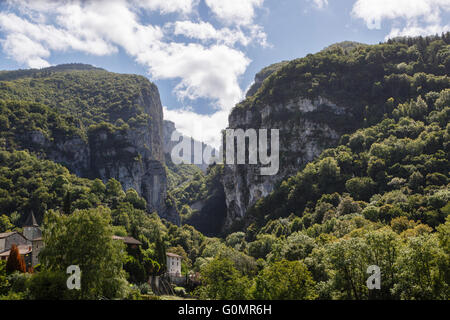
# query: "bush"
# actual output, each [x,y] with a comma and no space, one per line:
[145,288]
[49,285]
[180,291]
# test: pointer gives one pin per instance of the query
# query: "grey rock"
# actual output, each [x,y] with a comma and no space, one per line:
[303,136]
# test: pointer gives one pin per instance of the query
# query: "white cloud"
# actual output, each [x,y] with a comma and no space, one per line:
[204,128]
[234,12]
[415,30]
[419,17]
[206,62]
[206,32]
[205,72]
[168,6]
[320,4]
[25,50]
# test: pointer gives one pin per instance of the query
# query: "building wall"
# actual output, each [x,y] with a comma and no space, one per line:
[16,239]
[37,246]
[2,245]
[32,232]
[174,265]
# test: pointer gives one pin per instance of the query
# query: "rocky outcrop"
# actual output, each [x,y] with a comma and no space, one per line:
[133,154]
[262,75]
[306,128]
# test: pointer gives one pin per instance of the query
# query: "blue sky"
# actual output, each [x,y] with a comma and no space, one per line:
[202,54]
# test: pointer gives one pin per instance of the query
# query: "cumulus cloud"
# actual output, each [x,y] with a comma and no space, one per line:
[206,61]
[234,12]
[206,72]
[206,33]
[26,50]
[199,126]
[320,4]
[168,6]
[419,17]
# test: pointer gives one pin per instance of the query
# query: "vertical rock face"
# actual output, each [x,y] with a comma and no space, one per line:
[131,152]
[306,128]
[168,129]
[133,155]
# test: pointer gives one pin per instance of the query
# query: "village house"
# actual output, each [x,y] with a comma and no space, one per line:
[29,242]
[7,239]
[173,264]
[129,241]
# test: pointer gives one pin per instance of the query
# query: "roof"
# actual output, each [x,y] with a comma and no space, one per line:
[6,234]
[127,240]
[31,221]
[170,254]
[131,240]
[23,249]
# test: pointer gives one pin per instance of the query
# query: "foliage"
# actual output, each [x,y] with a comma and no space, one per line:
[284,280]
[222,281]
[15,261]
[84,238]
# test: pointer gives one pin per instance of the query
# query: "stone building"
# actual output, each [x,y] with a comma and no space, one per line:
[29,242]
[31,228]
[33,233]
[173,264]
[7,239]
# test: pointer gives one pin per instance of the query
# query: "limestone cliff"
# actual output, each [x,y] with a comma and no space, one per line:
[99,125]
[168,129]
[134,155]
[307,125]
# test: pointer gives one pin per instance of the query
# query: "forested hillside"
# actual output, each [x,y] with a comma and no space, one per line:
[379,197]
[364,181]
[96,123]
[315,100]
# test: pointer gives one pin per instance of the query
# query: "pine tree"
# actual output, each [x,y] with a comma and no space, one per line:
[67,205]
[15,261]
[160,251]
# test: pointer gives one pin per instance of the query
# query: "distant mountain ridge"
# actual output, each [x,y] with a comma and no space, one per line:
[8,75]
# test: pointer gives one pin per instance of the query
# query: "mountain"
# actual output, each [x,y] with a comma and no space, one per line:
[96,123]
[262,75]
[314,101]
[363,181]
[168,130]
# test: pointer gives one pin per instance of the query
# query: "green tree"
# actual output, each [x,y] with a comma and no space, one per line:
[348,258]
[3,279]
[284,280]
[423,270]
[5,223]
[67,204]
[361,188]
[222,281]
[84,238]
[160,254]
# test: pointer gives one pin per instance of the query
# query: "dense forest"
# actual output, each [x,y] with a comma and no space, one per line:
[380,197]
